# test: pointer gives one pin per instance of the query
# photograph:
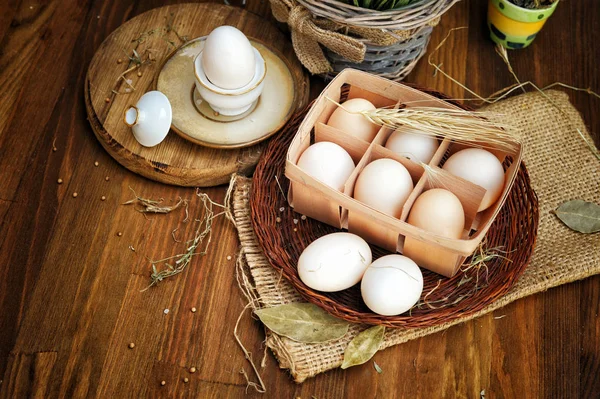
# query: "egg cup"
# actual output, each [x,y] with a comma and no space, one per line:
[231,102]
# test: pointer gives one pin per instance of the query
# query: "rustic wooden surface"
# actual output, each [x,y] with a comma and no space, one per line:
[69,285]
[175,160]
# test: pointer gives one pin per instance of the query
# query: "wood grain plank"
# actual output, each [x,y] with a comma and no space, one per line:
[451,56]
[29,375]
[561,344]
[69,286]
[23,40]
[38,48]
[30,221]
[589,329]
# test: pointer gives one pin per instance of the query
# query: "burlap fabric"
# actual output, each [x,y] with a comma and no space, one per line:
[561,168]
[310,32]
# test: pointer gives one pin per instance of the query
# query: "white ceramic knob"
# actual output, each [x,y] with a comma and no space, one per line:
[150,119]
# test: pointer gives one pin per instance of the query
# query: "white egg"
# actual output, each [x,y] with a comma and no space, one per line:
[385,185]
[348,120]
[480,167]
[327,162]
[228,58]
[392,285]
[438,211]
[413,145]
[334,262]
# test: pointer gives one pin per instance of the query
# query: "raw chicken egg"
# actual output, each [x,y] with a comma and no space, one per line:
[384,185]
[228,58]
[480,167]
[347,119]
[392,285]
[438,211]
[413,145]
[334,262]
[327,162]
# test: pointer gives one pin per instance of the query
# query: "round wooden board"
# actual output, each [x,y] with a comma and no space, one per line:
[174,161]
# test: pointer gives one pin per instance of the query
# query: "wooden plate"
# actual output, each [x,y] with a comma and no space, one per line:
[157,33]
[275,105]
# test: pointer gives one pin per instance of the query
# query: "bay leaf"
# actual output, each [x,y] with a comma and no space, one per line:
[303,322]
[363,346]
[580,216]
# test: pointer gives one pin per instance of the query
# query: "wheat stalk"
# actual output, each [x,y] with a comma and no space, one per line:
[460,126]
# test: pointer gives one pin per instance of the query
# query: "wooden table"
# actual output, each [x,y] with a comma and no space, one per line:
[70,300]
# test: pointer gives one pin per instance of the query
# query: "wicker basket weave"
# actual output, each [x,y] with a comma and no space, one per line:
[393,62]
[283,235]
[411,26]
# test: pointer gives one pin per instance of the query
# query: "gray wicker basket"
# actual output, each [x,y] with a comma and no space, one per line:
[394,61]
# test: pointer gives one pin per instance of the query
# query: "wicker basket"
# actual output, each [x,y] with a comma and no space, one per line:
[394,40]
[283,235]
[393,62]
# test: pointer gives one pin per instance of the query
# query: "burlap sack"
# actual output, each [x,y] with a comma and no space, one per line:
[561,168]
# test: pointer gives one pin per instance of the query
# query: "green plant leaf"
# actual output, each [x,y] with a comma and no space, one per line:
[303,322]
[580,216]
[363,346]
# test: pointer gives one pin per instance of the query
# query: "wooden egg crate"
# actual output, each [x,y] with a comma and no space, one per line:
[317,200]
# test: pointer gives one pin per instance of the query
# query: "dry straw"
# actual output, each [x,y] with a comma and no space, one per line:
[459,125]
[505,92]
[155,206]
[176,264]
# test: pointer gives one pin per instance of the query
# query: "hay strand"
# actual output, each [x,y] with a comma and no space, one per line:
[459,125]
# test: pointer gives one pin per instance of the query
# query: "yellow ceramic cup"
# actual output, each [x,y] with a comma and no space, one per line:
[515,27]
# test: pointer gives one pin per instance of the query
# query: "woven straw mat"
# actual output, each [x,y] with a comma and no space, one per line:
[562,168]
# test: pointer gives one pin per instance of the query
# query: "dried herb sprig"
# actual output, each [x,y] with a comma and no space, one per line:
[138,61]
[249,291]
[154,206]
[164,32]
[459,125]
[203,231]
[479,261]
[260,387]
[477,264]
[182,261]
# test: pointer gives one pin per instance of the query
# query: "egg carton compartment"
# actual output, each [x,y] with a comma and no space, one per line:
[430,255]
[339,209]
[359,219]
[453,147]
[470,195]
[383,137]
[347,92]
[506,159]
[377,98]
[355,146]
[317,203]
